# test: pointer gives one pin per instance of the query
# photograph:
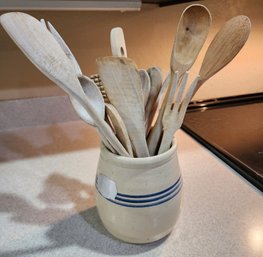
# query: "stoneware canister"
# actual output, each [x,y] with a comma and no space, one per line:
[138,199]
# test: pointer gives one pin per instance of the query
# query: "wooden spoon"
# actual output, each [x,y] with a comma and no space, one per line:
[119,127]
[225,46]
[38,44]
[123,86]
[191,34]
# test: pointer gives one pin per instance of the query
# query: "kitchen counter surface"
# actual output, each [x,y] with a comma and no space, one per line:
[47,204]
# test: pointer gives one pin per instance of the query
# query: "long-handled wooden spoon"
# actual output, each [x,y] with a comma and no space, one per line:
[123,86]
[38,44]
[225,46]
[191,34]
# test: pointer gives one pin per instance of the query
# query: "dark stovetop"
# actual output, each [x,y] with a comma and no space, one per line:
[232,128]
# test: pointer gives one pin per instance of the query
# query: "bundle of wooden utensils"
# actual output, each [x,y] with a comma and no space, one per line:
[134,111]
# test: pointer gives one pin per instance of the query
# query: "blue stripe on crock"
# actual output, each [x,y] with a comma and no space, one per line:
[151,204]
[150,195]
[149,198]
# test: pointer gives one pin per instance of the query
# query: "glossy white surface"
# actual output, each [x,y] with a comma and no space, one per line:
[47,203]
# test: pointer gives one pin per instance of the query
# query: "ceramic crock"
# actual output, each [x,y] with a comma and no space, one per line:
[138,199]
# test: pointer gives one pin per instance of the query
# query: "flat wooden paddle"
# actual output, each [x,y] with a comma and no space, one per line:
[123,86]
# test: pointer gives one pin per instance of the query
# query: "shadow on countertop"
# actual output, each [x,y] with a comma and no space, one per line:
[46,140]
[78,225]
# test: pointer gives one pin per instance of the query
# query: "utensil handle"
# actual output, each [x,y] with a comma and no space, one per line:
[105,141]
[177,117]
[156,93]
[117,40]
[155,133]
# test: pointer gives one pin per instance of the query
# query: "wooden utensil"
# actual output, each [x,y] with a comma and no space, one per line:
[38,44]
[155,87]
[118,48]
[95,98]
[174,118]
[154,137]
[119,127]
[225,46]
[146,85]
[123,86]
[117,40]
[64,47]
[191,34]
[87,84]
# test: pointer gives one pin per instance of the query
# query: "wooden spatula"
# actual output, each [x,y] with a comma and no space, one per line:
[123,86]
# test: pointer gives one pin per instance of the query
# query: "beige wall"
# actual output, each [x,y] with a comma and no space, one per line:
[149,35]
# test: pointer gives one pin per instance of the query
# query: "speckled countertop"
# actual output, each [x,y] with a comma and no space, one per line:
[47,205]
